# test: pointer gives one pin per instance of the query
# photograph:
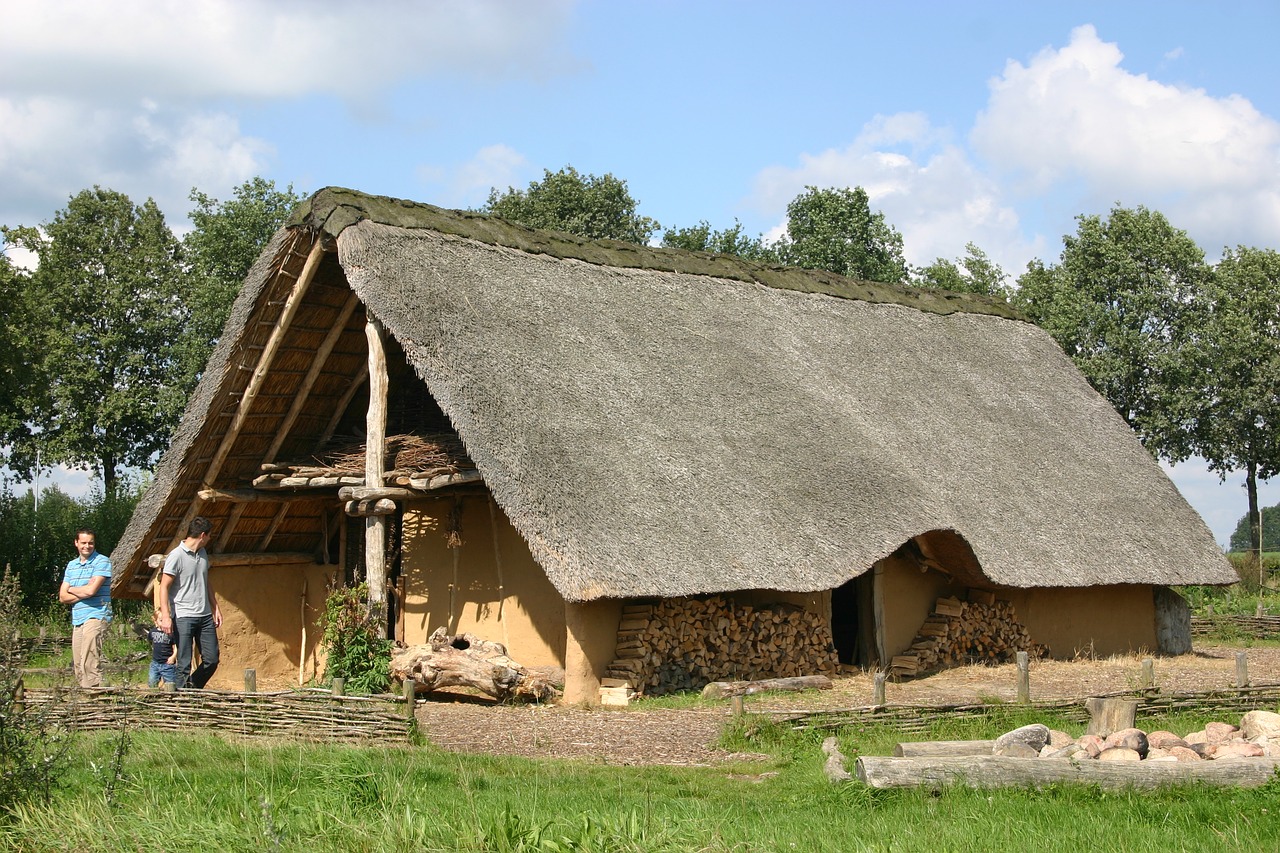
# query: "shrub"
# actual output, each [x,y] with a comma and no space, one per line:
[354,643]
[33,751]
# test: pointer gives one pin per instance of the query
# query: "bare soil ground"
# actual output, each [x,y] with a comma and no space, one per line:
[638,734]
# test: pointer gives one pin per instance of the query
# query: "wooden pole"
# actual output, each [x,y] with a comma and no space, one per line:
[250,681]
[1148,674]
[375,527]
[877,697]
[1024,679]
[1242,669]
[410,690]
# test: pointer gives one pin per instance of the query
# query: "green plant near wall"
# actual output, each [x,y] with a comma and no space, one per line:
[356,649]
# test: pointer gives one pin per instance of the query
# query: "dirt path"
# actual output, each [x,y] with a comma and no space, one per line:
[637,735]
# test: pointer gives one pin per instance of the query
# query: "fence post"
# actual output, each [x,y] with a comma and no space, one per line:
[410,689]
[1024,679]
[1148,674]
[339,686]
[1242,669]
[878,694]
[250,681]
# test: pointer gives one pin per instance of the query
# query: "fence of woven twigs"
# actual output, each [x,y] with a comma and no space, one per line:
[918,718]
[311,715]
[1258,627]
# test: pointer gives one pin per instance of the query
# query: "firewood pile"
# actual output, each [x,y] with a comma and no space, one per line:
[415,461]
[980,630]
[687,643]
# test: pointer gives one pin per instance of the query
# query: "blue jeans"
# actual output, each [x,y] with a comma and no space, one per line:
[197,631]
[161,670]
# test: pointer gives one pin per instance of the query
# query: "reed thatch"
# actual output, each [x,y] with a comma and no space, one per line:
[657,422]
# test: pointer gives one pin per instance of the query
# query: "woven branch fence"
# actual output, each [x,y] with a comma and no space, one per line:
[1258,627]
[308,715]
[918,718]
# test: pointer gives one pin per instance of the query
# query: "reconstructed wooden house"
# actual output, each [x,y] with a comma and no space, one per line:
[544,440]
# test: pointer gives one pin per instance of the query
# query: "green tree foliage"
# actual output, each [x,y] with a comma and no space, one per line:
[16,353]
[834,229]
[1121,302]
[1233,413]
[1242,537]
[974,273]
[355,648]
[37,539]
[226,239]
[588,206]
[729,241]
[107,389]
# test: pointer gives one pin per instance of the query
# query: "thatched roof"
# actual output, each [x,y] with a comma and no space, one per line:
[658,422]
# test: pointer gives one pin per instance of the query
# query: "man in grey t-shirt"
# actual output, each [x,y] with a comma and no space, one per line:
[188,609]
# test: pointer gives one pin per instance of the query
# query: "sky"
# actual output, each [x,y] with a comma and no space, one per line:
[995,123]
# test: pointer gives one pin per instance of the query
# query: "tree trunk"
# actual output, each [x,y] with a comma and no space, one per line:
[1255,516]
[995,771]
[466,660]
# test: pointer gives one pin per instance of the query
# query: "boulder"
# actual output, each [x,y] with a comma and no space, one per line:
[1135,739]
[1237,749]
[1092,744]
[1161,739]
[1119,753]
[1034,736]
[1058,739]
[1260,724]
[1220,732]
[1183,753]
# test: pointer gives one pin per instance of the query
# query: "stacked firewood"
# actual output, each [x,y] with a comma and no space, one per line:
[417,461]
[687,643]
[980,630]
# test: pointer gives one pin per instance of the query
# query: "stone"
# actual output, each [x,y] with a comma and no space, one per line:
[1193,738]
[1220,732]
[1237,749]
[1260,724]
[1034,736]
[1183,753]
[1135,739]
[1161,739]
[1071,750]
[1119,753]
[1156,753]
[1091,744]
[1058,739]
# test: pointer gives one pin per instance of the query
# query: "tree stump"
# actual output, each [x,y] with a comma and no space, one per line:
[466,660]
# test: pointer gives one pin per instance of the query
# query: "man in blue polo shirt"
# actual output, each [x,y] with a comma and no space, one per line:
[86,586]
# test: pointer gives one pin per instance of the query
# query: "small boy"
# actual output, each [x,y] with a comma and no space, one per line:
[163,654]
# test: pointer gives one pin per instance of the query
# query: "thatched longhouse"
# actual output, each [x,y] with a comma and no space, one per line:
[579,426]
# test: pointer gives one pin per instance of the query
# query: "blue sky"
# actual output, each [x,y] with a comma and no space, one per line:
[990,122]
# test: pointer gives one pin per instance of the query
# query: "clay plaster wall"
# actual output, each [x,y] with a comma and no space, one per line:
[262,618]
[499,592]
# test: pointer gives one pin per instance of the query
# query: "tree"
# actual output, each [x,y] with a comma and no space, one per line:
[1234,416]
[834,229]
[1243,539]
[227,238]
[592,207]
[730,241]
[15,352]
[107,390]
[974,273]
[1122,302]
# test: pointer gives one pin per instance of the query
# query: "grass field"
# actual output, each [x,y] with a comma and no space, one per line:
[202,792]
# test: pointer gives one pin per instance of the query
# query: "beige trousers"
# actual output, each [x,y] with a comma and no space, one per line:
[86,651]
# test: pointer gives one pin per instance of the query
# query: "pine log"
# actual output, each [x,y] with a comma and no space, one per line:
[928,748]
[724,689]
[993,771]
[466,660]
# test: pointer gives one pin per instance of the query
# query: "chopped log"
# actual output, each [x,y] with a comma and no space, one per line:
[938,748]
[993,771]
[441,480]
[466,660]
[722,689]
[1110,715]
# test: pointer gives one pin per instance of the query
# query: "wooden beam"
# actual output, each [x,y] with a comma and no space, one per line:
[228,528]
[375,459]
[364,493]
[356,384]
[242,496]
[281,558]
[291,306]
[309,381]
[273,527]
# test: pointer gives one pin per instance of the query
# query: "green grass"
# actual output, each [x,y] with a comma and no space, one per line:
[199,792]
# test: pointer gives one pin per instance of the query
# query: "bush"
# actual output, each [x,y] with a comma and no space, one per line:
[355,647]
[33,752]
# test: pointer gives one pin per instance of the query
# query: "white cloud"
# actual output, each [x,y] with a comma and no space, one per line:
[1073,116]
[218,48]
[924,184]
[493,166]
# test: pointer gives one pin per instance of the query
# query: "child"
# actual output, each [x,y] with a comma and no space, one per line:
[163,654]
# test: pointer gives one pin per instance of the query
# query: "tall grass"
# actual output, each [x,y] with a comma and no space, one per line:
[200,792]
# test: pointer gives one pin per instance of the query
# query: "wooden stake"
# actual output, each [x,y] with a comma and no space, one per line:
[1024,679]
[250,681]
[1242,669]
[878,689]
[1148,674]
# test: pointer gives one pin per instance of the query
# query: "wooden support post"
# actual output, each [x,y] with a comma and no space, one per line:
[339,686]
[375,527]
[1242,669]
[168,687]
[1148,674]
[1024,679]
[738,705]
[410,690]
[250,681]
[877,697]
[1261,609]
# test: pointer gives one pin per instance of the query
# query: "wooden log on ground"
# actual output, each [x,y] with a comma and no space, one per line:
[466,660]
[722,689]
[993,771]
[1110,714]
[936,748]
